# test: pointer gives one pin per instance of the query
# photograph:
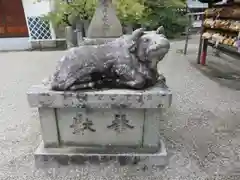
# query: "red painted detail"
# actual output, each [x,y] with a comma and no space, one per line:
[203,57]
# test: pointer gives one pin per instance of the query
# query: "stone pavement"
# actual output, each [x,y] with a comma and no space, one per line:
[202,127]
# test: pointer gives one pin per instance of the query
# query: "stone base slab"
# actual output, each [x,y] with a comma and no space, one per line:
[156,97]
[48,44]
[110,117]
[56,157]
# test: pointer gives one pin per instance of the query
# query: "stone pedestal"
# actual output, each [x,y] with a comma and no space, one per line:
[105,23]
[111,124]
[69,34]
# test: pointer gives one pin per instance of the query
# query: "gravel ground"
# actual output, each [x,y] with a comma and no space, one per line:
[202,128]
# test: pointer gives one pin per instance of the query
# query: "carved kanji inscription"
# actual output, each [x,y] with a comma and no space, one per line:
[81,124]
[120,123]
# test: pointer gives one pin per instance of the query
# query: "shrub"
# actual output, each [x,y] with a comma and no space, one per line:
[165,13]
[66,13]
[149,13]
[129,11]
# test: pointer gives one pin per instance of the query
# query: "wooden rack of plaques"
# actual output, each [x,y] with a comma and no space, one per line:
[221,30]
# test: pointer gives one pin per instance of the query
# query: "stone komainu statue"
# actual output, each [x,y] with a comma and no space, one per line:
[127,62]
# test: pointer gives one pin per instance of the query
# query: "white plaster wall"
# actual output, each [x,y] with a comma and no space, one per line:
[10,44]
[33,8]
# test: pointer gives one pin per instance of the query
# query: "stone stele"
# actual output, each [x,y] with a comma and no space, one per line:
[105,23]
[85,126]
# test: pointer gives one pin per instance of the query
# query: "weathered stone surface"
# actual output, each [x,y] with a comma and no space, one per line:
[158,96]
[105,23]
[100,127]
[105,125]
[153,119]
[53,157]
[49,127]
[126,120]
[126,62]
[95,41]
[69,37]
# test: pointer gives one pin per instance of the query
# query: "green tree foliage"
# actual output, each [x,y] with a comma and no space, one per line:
[165,12]
[66,13]
[150,13]
[129,11]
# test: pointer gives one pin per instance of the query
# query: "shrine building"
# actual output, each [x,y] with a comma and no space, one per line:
[20,24]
